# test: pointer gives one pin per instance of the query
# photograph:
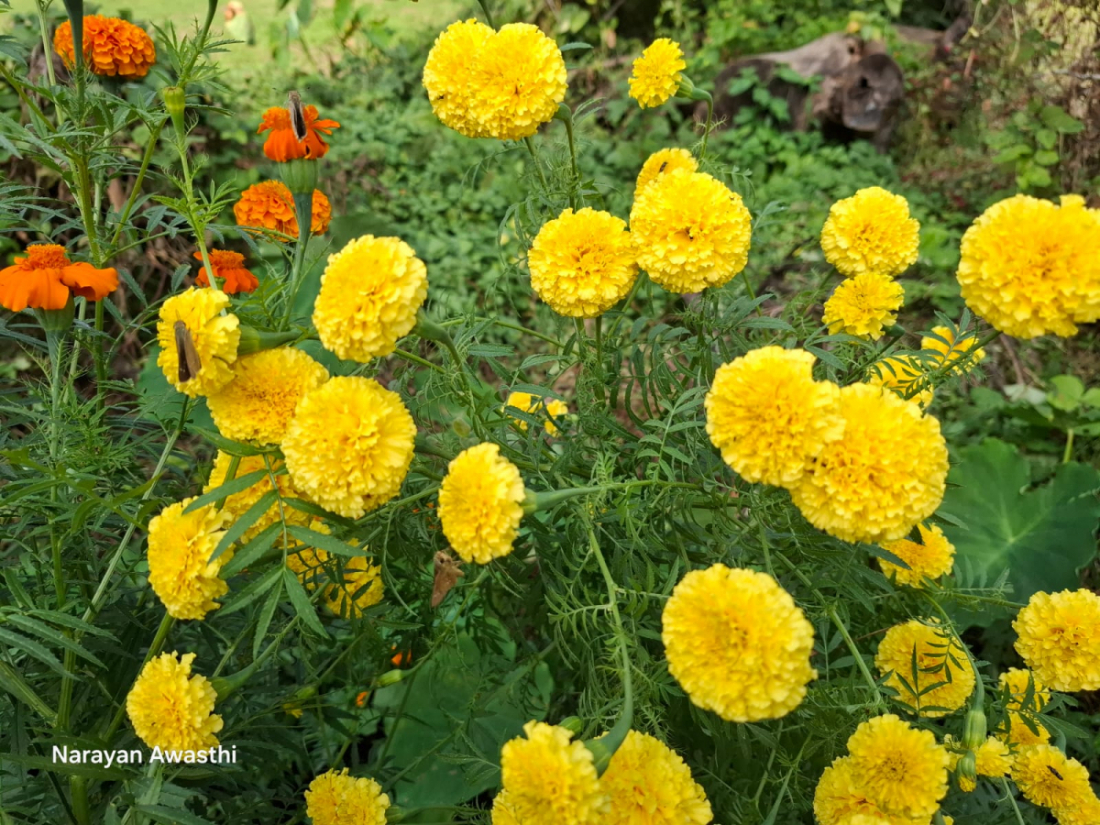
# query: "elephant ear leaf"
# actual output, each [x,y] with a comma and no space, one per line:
[1040,535]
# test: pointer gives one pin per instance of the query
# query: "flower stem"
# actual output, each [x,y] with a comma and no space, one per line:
[47,47]
[530,144]
[150,146]
[155,648]
[707,127]
[610,743]
[303,208]
[488,14]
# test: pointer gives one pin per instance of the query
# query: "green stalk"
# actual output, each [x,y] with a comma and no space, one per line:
[708,126]
[604,747]
[565,115]
[101,591]
[488,14]
[147,157]
[530,144]
[303,208]
[47,46]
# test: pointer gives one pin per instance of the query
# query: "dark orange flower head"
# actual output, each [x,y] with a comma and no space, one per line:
[361,699]
[283,145]
[46,277]
[111,46]
[269,205]
[228,268]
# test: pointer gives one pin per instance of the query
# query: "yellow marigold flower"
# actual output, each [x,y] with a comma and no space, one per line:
[449,72]
[335,798]
[887,474]
[737,643]
[1029,267]
[112,47]
[237,504]
[934,651]
[933,557]
[358,583]
[349,445]
[951,350]
[657,73]
[992,758]
[662,162]
[864,305]
[180,570]
[554,409]
[903,770]
[549,780]
[270,205]
[170,709]
[370,293]
[517,79]
[215,337]
[480,504]
[1080,809]
[841,799]
[769,417]
[1026,696]
[1048,777]
[583,263]
[904,376]
[871,233]
[503,811]
[647,783]
[266,387]
[1059,638]
[691,231]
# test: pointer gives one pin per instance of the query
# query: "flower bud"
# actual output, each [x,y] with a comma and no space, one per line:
[974,730]
[574,724]
[255,340]
[175,103]
[460,428]
[392,677]
[967,770]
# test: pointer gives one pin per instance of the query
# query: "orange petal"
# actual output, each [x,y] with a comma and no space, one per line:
[89,282]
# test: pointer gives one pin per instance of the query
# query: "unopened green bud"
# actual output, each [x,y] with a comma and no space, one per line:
[967,769]
[573,724]
[460,428]
[175,103]
[430,330]
[392,677]
[300,176]
[548,499]
[974,730]
[255,340]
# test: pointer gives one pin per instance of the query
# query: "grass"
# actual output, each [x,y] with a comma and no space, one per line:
[270,22]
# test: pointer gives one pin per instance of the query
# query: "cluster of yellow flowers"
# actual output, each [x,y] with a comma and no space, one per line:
[548,778]
[870,239]
[859,462]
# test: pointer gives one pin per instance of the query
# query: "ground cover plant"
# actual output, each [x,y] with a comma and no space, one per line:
[448,449]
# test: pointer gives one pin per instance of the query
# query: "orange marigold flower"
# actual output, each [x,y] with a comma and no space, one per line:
[111,46]
[283,145]
[269,205]
[45,277]
[228,268]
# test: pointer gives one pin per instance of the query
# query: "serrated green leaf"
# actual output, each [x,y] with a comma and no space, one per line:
[51,636]
[17,641]
[242,524]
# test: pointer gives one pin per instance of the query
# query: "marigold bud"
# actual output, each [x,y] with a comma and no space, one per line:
[392,677]
[175,103]
[974,730]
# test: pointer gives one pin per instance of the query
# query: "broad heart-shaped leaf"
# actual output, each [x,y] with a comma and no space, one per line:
[1042,536]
